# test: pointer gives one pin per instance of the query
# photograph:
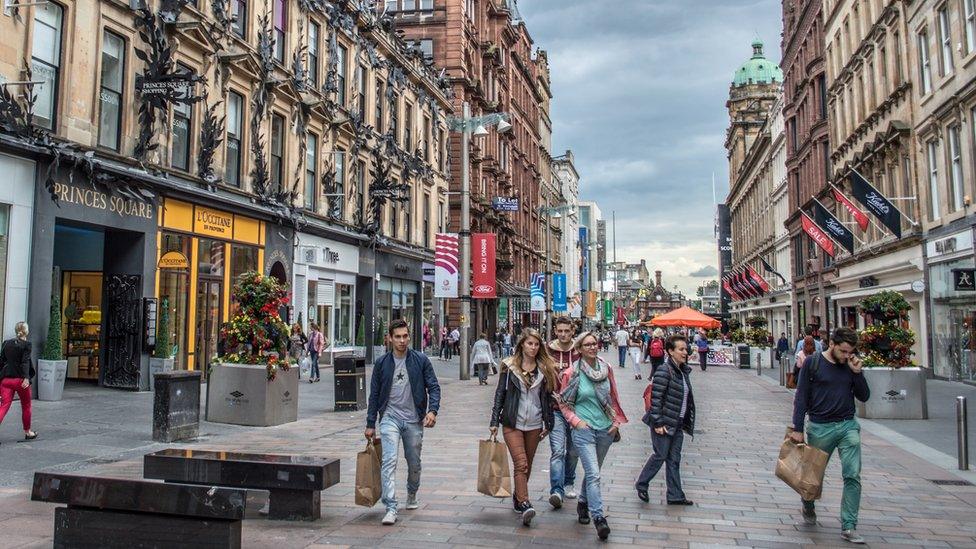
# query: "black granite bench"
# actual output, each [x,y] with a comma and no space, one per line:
[295,483]
[123,513]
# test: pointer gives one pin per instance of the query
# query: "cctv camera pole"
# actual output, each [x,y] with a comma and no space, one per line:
[465,235]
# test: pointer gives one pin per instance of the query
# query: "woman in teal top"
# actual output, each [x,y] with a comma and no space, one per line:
[590,405]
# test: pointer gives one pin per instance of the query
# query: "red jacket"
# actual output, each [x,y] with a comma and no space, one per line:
[570,414]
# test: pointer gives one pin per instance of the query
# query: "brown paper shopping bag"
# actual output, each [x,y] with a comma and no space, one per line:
[802,467]
[369,482]
[494,476]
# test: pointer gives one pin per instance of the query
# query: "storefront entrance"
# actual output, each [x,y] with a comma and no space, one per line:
[209,293]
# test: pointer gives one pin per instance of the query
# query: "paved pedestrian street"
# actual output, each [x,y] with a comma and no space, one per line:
[727,471]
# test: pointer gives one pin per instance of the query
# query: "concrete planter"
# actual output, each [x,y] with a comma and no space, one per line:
[896,393]
[50,379]
[158,366]
[242,395]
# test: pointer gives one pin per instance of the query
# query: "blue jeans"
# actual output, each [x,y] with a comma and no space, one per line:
[315,365]
[391,431]
[592,446]
[622,355]
[667,451]
[507,349]
[563,459]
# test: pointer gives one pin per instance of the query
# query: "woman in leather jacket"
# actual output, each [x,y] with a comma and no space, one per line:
[524,407]
[16,371]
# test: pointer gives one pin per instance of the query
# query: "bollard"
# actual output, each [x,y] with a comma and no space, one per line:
[759,364]
[782,371]
[962,433]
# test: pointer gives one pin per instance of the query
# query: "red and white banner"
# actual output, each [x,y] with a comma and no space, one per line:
[728,289]
[817,235]
[446,265]
[856,213]
[483,283]
[763,285]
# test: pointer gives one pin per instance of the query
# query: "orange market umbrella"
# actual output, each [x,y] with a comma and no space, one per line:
[686,316]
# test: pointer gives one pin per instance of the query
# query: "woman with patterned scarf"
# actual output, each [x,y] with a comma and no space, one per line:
[591,406]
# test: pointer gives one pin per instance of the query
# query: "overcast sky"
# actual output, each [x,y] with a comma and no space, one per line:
[639,92]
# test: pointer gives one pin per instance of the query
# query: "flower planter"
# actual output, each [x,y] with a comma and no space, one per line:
[241,394]
[158,366]
[896,393]
[50,379]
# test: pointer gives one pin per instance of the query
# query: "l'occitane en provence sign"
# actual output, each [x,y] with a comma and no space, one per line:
[213,223]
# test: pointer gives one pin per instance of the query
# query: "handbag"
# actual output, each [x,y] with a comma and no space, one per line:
[369,483]
[494,475]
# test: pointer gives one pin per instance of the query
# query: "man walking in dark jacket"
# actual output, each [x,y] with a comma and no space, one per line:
[672,414]
[405,394]
[829,382]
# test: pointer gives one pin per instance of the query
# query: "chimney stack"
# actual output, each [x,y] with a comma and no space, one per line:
[657,277]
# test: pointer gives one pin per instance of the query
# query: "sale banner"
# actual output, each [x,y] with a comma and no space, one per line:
[483,283]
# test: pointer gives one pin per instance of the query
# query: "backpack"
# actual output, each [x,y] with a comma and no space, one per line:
[648,394]
[657,348]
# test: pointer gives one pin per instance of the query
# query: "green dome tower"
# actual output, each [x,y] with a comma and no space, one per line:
[755,87]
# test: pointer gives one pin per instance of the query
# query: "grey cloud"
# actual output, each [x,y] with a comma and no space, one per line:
[704,272]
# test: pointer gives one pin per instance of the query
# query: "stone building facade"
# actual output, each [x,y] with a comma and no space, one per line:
[223,137]
[488,58]
[807,151]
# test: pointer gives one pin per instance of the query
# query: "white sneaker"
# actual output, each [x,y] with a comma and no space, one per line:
[570,493]
[852,536]
[556,500]
[412,502]
[390,518]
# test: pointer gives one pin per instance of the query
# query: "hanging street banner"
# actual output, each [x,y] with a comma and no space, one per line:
[483,283]
[537,291]
[591,305]
[876,203]
[817,234]
[758,280]
[503,312]
[505,204]
[607,310]
[559,292]
[832,226]
[446,265]
[583,246]
[728,289]
[860,217]
[751,284]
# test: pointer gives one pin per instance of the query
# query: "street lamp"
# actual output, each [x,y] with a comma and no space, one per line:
[552,213]
[467,126]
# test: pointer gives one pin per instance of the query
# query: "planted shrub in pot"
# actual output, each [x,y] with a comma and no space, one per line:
[52,367]
[162,359]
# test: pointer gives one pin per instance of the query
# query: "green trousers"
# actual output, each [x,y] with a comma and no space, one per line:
[845,437]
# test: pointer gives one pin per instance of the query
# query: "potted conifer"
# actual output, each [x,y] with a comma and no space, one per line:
[162,359]
[52,366]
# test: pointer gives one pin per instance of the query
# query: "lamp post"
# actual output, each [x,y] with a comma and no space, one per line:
[468,126]
[547,213]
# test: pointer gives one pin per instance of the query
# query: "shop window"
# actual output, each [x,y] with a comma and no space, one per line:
[110,94]
[210,258]
[313,54]
[82,309]
[235,136]
[174,292]
[311,170]
[280,25]
[46,62]
[182,130]
[238,10]
[243,259]
[277,151]
[343,334]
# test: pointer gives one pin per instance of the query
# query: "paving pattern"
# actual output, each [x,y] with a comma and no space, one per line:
[727,470]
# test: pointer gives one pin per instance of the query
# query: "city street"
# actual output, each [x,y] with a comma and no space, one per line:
[727,471]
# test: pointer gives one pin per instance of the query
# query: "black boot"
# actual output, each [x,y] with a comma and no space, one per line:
[583,511]
[602,528]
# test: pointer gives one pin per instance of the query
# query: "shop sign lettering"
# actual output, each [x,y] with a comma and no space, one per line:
[213,222]
[173,260]
[92,198]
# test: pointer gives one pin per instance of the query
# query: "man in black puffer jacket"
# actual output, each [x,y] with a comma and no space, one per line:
[672,414]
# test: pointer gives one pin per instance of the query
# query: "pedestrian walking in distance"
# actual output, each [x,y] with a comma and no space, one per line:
[623,343]
[562,457]
[405,395]
[16,371]
[316,344]
[590,404]
[482,358]
[656,350]
[701,342]
[671,416]
[828,383]
[524,407]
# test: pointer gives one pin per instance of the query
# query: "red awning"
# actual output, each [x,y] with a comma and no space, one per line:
[685,316]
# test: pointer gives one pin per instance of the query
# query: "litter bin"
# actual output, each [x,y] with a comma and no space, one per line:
[745,356]
[350,383]
[176,405]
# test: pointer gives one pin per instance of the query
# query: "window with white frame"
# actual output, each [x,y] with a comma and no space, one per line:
[110,93]
[311,170]
[339,200]
[182,132]
[933,159]
[280,26]
[238,11]
[341,53]
[235,136]
[924,61]
[945,41]
[313,53]
[277,151]
[955,167]
[46,62]
[969,25]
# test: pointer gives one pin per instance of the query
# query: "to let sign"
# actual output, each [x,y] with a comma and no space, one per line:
[505,204]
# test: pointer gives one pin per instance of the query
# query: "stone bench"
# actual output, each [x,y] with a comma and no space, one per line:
[295,483]
[124,513]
